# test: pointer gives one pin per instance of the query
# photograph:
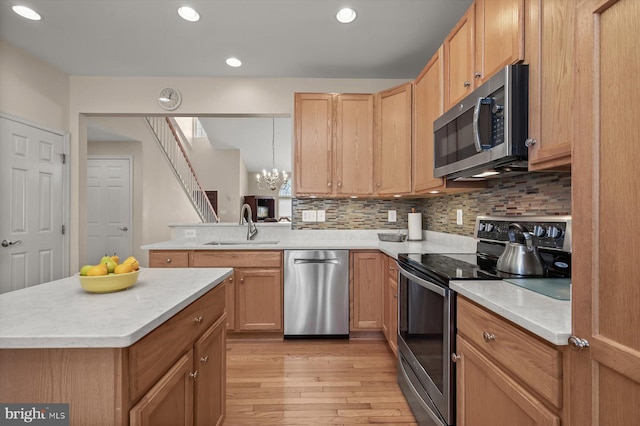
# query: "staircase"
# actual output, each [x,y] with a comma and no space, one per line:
[164,130]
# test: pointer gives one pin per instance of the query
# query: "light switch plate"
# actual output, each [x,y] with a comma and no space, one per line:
[392,216]
[459,216]
[309,215]
[321,216]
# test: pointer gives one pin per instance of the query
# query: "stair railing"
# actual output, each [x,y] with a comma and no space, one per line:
[167,137]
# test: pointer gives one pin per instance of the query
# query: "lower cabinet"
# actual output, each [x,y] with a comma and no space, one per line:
[367,275]
[192,391]
[390,321]
[254,294]
[505,376]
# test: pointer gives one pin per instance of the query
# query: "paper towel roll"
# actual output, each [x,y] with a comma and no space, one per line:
[415,226]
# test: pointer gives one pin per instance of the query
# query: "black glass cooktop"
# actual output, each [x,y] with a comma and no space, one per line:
[451,266]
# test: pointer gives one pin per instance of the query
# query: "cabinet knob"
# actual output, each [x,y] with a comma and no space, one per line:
[339,184]
[488,337]
[455,357]
[467,83]
[242,280]
[530,142]
[329,184]
[194,375]
[198,319]
[204,359]
[578,344]
[168,260]
[477,74]
[395,296]
[230,279]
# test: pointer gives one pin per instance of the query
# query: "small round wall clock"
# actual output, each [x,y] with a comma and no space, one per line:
[169,98]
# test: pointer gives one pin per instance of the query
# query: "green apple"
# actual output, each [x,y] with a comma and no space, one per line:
[84,269]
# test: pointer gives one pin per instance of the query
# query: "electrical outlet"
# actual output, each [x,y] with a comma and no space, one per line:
[392,216]
[189,233]
[459,216]
[309,215]
[321,216]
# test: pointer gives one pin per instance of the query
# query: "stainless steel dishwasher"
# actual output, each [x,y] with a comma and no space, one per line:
[316,293]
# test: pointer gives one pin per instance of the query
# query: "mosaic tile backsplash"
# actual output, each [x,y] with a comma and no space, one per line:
[529,194]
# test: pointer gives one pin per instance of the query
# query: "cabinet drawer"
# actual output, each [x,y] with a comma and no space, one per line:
[152,356]
[236,259]
[168,259]
[536,363]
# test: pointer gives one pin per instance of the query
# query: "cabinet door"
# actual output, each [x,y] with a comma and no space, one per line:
[390,323]
[486,395]
[499,36]
[393,165]
[354,145]
[210,385]
[259,299]
[458,59]
[550,53]
[367,291]
[230,299]
[313,155]
[427,107]
[170,401]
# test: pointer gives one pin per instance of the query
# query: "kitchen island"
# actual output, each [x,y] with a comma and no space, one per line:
[129,357]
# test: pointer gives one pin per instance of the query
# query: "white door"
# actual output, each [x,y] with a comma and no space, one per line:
[31,205]
[108,207]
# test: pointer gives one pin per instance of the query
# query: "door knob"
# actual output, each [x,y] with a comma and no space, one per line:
[124,228]
[8,243]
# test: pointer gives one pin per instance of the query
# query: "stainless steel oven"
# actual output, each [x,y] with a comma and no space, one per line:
[426,338]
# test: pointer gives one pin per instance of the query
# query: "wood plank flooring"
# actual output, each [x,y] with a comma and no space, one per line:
[312,382]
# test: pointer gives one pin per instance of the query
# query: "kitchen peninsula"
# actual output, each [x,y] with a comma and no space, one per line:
[123,358]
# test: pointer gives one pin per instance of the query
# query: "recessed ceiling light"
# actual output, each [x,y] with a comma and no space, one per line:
[346,15]
[234,62]
[188,14]
[26,12]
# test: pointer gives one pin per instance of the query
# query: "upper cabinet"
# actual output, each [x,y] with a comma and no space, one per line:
[313,157]
[487,38]
[550,55]
[334,144]
[393,153]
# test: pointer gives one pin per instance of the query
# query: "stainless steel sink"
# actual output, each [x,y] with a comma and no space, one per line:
[240,243]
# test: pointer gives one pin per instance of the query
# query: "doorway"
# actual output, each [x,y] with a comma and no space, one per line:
[109,212]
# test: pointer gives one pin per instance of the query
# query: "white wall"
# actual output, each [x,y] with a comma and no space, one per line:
[32,89]
[155,187]
[201,96]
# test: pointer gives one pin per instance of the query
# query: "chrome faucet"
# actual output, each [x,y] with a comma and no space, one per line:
[251,227]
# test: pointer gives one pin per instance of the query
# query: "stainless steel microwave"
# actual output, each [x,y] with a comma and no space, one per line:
[485,134]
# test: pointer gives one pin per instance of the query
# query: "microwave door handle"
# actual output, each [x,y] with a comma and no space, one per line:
[476,130]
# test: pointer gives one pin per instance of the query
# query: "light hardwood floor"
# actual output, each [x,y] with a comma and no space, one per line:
[311,382]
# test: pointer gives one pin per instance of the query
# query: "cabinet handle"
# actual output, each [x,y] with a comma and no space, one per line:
[455,357]
[339,184]
[241,280]
[488,337]
[530,142]
[230,279]
[194,375]
[467,84]
[578,344]
[395,296]
[204,359]
[329,184]
[168,260]
[477,74]
[198,319]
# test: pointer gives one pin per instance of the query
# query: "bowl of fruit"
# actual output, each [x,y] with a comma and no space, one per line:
[109,275]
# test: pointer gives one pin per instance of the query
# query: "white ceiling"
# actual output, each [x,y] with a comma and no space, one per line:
[273,38]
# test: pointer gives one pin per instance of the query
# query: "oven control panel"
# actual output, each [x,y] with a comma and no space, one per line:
[553,232]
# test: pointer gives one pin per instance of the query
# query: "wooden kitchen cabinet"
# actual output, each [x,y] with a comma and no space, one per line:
[428,105]
[393,152]
[487,38]
[505,375]
[390,320]
[168,259]
[367,275]
[230,294]
[334,144]
[550,29]
[255,302]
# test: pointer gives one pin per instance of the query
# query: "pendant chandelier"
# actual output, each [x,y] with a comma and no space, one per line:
[273,179]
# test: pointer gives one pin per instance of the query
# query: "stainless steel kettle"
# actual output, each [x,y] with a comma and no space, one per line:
[520,259]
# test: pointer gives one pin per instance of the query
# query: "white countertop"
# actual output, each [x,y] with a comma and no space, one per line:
[544,316]
[60,314]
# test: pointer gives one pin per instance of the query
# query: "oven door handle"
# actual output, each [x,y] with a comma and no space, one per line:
[426,284]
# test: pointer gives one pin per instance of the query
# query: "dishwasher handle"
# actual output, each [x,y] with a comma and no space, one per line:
[316,261]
